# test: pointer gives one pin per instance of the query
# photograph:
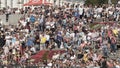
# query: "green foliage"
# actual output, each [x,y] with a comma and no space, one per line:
[100,2]
[96,2]
[91,2]
[114,1]
[95,26]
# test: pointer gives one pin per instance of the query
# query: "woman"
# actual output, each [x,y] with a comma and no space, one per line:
[113,44]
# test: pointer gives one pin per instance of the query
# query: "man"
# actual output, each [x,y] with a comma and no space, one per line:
[32,19]
[2,40]
[59,39]
[113,44]
[8,13]
[42,41]
[1,22]
[41,23]
[105,50]
[103,63]
[7,17]
[81,12]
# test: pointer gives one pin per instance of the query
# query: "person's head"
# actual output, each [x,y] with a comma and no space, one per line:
[103,58]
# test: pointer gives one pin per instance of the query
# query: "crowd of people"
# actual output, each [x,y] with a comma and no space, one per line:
[66,27]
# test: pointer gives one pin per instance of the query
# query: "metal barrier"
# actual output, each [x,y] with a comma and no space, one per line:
[25,66]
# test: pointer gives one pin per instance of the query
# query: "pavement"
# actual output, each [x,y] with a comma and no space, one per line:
[13,19]
[115,56]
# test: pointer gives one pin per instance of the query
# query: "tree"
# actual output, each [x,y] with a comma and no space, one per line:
[91,2]
[100,2]
[96,2]
[114,1]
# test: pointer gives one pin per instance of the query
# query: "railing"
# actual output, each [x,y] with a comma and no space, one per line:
[24,66]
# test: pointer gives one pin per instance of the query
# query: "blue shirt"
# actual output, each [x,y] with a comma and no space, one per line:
[32,19]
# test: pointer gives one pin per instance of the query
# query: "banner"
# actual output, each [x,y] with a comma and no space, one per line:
[36,2]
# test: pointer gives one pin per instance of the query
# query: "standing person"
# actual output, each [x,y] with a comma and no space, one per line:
[1,22]
[7,17]
[37,42]
[2,39]
[113,44]
[105,50]
[103,63]
[6,50]
[8,13]
[32,18]
[81,12]
[30,41]
[42,41]
[41,23]
[59,39]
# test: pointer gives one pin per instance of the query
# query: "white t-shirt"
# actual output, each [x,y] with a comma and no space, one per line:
[95,57]
[17,43]
[99,10]
[47,37]
[110,12]
[56,11]
[6,50]
[117,66]
[33,49]
[26,30]
[23,23]
[8,40]
[80,10]
[8,37]
[72,34]
[28,19]
[1,22]
[84,38]
[118,8]
[52,24]
[86,9]
[13,51]
[108,8]
[118,2]
[48,25]
[72,57]
[56,56]
[49,64]
[26,55]
[18,11]
[97,67]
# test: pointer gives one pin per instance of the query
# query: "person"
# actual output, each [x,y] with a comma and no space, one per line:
[113,45]
[57,27]
[2,39]
[105,50]
[7,17]
[1,22]
[104,63]
[43,39]
[32,19]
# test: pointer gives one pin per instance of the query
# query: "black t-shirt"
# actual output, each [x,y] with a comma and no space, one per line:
[80,56]
[7,15]
[2,41]
[23,44]
[37,41]
[104,64]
